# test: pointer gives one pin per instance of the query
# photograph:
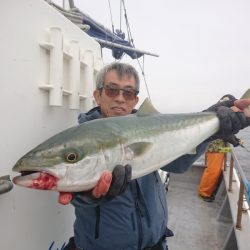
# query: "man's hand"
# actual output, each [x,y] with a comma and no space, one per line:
[232,119]
[113,184]
[110,185]
[226,100]
[121,176]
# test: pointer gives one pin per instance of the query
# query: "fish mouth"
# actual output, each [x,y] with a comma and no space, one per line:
[36,180]
[24,173]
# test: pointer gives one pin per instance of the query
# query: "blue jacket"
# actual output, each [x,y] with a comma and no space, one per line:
[133,220]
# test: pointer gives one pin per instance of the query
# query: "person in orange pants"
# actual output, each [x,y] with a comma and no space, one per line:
[211,176]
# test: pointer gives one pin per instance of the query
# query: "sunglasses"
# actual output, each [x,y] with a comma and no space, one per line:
[113,91]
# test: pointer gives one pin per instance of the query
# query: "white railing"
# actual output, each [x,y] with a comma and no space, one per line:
[238,190]
[244,187]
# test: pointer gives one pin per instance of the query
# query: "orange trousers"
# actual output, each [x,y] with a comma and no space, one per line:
[210,178]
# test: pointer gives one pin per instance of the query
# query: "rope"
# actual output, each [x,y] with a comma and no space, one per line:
[110,12]
[120,15]
[143,75]
[130,38]
[127,24]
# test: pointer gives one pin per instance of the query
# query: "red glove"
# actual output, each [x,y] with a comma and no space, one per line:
[102,187]
[112,184]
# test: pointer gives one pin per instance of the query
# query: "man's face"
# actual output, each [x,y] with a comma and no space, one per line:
[116,105]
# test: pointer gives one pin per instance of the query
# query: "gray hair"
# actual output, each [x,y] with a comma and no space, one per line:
[122,69]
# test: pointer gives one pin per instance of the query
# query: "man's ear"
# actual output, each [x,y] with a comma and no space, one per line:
[97,96]
[136,100]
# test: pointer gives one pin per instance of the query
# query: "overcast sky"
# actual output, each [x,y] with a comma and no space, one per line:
[204,47]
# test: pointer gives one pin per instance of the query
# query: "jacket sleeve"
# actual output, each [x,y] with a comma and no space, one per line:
[181,164]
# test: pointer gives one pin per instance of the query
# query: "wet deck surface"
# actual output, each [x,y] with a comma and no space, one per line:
[193,221]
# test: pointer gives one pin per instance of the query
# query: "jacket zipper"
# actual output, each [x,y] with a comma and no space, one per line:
[97,223]
[135,191]
[139,223]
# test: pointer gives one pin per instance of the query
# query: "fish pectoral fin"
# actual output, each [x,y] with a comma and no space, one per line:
[137,149]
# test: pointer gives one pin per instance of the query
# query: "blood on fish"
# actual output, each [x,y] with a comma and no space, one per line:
[44,181]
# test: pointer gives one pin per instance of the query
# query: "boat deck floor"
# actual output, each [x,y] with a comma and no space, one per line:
[193,220]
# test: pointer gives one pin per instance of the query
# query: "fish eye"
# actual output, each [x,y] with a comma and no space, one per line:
[71,157]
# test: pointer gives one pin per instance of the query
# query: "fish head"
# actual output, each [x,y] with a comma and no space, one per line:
[66,162]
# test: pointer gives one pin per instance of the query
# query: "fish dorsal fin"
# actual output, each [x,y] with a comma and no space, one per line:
[147,109]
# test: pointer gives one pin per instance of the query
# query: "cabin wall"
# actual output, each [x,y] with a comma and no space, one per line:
[48,68]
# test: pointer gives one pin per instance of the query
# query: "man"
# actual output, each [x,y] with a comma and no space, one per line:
[128,214]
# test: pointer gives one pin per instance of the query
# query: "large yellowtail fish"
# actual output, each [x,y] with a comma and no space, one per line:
[75,159]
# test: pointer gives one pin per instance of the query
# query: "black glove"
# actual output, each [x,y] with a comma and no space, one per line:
[121,176]
[226,101]
[230,122]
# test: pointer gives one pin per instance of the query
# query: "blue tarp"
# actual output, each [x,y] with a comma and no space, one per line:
[99,31]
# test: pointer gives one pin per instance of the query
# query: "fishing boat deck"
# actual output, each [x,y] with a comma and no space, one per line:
[197,224]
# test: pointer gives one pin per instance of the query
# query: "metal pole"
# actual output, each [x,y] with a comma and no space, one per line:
[225,162]
[240,205]
[110,44]
[71,4]
[242,176]
[231,174]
